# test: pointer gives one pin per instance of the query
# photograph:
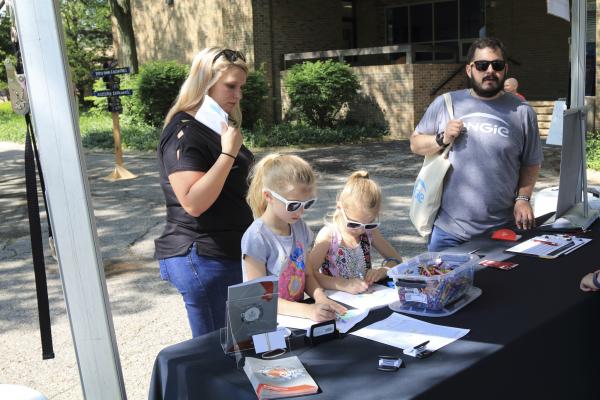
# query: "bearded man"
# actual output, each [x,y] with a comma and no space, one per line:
[496,152]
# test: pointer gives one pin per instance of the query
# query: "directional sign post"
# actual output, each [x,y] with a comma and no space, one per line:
[109,76]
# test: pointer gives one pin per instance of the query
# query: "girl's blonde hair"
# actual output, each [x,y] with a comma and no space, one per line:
[359,192]
[277,172]
[204,73]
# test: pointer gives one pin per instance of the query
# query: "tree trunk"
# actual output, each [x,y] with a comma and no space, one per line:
[121,10]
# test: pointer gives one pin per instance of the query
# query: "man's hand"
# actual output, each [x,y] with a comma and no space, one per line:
[587,283]
[523,213]
[454,128]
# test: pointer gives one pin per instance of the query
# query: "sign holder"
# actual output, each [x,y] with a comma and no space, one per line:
[114,106]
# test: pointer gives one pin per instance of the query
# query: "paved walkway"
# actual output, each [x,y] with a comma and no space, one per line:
[148,313]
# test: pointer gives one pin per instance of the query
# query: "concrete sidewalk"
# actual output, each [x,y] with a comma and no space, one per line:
[148,313]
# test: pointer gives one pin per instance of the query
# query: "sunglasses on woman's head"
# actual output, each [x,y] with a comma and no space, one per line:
[292,205]
[230,55]
[483,65]
[350,224]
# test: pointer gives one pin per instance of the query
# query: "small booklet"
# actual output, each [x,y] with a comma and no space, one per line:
[251,309]
[211,114]
[276,379]
[549,246]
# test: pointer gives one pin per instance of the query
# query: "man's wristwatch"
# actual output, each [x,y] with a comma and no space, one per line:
[439,139]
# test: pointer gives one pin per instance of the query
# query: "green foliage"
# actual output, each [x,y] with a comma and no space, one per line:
[5,44]
[87,37]
[13,125]
[318,90]
[254,98]
[158,86]
[300,133]
[593,150]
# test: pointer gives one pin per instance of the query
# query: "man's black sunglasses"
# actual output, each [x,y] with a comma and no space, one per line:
[483,65]
[230,55]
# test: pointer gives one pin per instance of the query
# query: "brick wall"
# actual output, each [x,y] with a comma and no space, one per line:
[429,76]
[535,39]
[179,31]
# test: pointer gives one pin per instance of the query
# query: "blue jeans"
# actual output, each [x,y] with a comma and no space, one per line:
[203,282]
[442,240]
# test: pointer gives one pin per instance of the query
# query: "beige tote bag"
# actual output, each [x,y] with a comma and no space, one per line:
[429,186]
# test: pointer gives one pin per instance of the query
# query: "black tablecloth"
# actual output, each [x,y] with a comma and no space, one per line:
[534,334]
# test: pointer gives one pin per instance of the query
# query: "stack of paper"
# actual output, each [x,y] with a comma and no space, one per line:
[549,246]
[405,332]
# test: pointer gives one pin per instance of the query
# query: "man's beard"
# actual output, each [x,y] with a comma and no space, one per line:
[481,92]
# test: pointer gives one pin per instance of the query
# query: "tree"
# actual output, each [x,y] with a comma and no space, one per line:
[121,10]
[6,47]
[87,37]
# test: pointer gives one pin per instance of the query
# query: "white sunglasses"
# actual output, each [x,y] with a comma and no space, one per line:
[350,224]
[292,205]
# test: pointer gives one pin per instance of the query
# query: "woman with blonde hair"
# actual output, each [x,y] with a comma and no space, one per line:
[203,175]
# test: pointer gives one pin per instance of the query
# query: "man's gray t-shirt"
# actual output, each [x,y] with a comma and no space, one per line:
[274,250]
[502,136]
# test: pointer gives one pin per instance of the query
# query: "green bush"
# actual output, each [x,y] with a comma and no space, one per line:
[300,133]
[254,98]
[158,86]
[318,90]
[593,150]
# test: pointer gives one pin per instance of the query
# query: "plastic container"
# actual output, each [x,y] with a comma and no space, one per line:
[431,281]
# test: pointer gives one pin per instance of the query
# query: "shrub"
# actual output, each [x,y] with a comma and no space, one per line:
[158,86]
[300,133]
[318,90]
[593,150]
[255,96]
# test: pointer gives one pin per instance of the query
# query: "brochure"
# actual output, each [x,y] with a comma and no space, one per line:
[251,309]
[378,296]
[211,114]
[275,379]
[549,246]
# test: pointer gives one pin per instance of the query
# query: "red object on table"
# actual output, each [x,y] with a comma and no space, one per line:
[505,234]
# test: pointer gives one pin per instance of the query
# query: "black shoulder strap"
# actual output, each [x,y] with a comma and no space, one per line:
[35,232]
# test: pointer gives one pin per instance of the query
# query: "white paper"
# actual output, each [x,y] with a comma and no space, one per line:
[343,324]
[560,8]
[269,341]
[211,114]
[548,245]
[379,296]
[405,332]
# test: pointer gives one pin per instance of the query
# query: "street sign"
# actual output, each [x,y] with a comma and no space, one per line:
[99,73]
[107,93]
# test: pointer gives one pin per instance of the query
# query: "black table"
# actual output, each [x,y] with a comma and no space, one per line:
[534,334]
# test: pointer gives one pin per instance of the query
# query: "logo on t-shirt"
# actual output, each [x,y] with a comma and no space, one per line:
[486,123]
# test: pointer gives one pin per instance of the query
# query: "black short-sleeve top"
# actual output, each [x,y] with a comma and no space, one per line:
[218,231]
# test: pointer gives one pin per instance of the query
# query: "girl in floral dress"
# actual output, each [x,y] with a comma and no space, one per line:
[342,250]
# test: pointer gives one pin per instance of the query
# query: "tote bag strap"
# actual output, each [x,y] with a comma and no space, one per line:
[449,108]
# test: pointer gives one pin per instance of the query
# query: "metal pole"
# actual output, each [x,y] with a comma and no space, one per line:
[56,121]
[578,44]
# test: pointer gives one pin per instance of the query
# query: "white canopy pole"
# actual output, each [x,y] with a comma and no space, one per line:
[55,119]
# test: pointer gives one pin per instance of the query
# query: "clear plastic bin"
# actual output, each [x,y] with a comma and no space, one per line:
[431,281]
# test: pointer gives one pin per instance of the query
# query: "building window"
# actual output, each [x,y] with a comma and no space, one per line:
[445,28]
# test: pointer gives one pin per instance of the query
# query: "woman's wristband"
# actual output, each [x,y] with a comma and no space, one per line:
[227,154]
[386,260]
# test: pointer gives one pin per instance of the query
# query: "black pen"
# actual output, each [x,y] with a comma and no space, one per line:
[422,345]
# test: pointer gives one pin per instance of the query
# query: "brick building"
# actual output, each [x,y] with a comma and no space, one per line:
[396,87]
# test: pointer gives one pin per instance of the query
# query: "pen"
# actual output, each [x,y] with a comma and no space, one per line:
[545,242]
[422,345]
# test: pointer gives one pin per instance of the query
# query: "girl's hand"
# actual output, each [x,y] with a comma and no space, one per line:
[231,139]
[587,283]
[375,275]
[355,286]
[322,312]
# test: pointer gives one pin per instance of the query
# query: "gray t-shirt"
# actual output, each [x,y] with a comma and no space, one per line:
[284,256]
[502,136]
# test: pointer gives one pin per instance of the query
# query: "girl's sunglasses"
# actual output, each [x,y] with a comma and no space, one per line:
[230,55]
[292,205]
[356,225]
[483,65]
